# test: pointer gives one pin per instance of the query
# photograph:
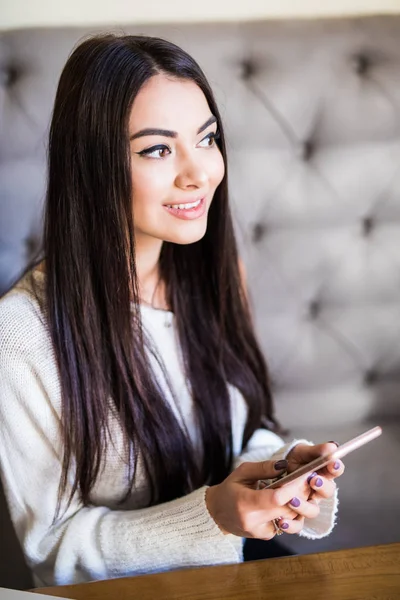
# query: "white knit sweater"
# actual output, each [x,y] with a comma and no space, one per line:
[106,539]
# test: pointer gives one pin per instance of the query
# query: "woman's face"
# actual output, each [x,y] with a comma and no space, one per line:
[176,163]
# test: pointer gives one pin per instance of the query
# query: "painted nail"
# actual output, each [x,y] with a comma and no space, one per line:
[319,482]
[333,442]
[336,465]
[280,465]
[295,502]
[284,525]
[311,476]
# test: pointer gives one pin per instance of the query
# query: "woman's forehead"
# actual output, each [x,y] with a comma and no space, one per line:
[169,103]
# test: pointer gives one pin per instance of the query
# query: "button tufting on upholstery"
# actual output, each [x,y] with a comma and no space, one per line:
[367,225]
[305,150]
[9,76]
[249,68]
[314,309]
[362,63]
[259,231]
[371,376]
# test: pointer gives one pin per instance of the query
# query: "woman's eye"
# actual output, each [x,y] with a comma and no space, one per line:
[156,152]
[209,140]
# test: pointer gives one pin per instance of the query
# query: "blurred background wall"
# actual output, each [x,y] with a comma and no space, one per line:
[32,13]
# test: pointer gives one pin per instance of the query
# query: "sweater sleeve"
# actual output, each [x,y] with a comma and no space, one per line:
[92,542]
[265,445]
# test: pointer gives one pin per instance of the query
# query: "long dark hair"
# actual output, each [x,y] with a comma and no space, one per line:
[91,287]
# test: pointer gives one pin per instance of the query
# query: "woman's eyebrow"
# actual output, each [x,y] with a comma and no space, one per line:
[209,122]
[167,132]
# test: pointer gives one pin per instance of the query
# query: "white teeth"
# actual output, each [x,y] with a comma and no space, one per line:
[185,206]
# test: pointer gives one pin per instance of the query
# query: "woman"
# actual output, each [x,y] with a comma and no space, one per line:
[136,414]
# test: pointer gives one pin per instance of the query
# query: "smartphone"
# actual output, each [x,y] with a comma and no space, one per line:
[322,461]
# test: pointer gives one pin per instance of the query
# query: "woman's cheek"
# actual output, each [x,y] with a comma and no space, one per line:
[212,165]
[152,184]
[218,170]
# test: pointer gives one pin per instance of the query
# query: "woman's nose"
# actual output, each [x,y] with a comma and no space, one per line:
[191,173]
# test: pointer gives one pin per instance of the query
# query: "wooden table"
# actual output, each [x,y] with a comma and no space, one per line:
[361,573]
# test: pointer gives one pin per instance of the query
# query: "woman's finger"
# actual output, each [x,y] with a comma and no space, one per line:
[335,469]
[266,531]
[308,509]
[304,453]
[251,472]
[282,495]
[291,526]
[323,486]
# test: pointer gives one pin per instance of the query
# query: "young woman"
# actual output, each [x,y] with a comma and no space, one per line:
[136,417]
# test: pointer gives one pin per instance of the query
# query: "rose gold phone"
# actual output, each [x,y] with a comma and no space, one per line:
[322,461]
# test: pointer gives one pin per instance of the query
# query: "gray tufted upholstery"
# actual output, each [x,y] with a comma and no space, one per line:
[312,114]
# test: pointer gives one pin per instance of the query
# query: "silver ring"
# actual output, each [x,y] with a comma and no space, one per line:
[278,530]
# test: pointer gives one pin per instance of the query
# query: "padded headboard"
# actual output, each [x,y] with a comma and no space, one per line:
[312,115]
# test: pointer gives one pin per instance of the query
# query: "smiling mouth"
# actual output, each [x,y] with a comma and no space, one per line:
[186,206]
[188,210]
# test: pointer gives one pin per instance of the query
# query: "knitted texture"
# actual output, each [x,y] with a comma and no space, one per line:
[106,539]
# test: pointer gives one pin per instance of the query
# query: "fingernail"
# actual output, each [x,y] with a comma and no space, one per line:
[295,502]
[336,465]
[319,482]
[311,476]
[284,525]
[333,442]
[280,465]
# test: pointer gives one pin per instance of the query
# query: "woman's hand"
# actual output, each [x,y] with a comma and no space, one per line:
[238,507]
[322,482]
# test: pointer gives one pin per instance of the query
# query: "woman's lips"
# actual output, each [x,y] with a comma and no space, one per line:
[188,213]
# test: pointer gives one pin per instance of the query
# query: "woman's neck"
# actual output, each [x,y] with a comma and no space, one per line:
[151,288]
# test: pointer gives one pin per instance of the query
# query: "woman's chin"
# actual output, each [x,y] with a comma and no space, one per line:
[187,235]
